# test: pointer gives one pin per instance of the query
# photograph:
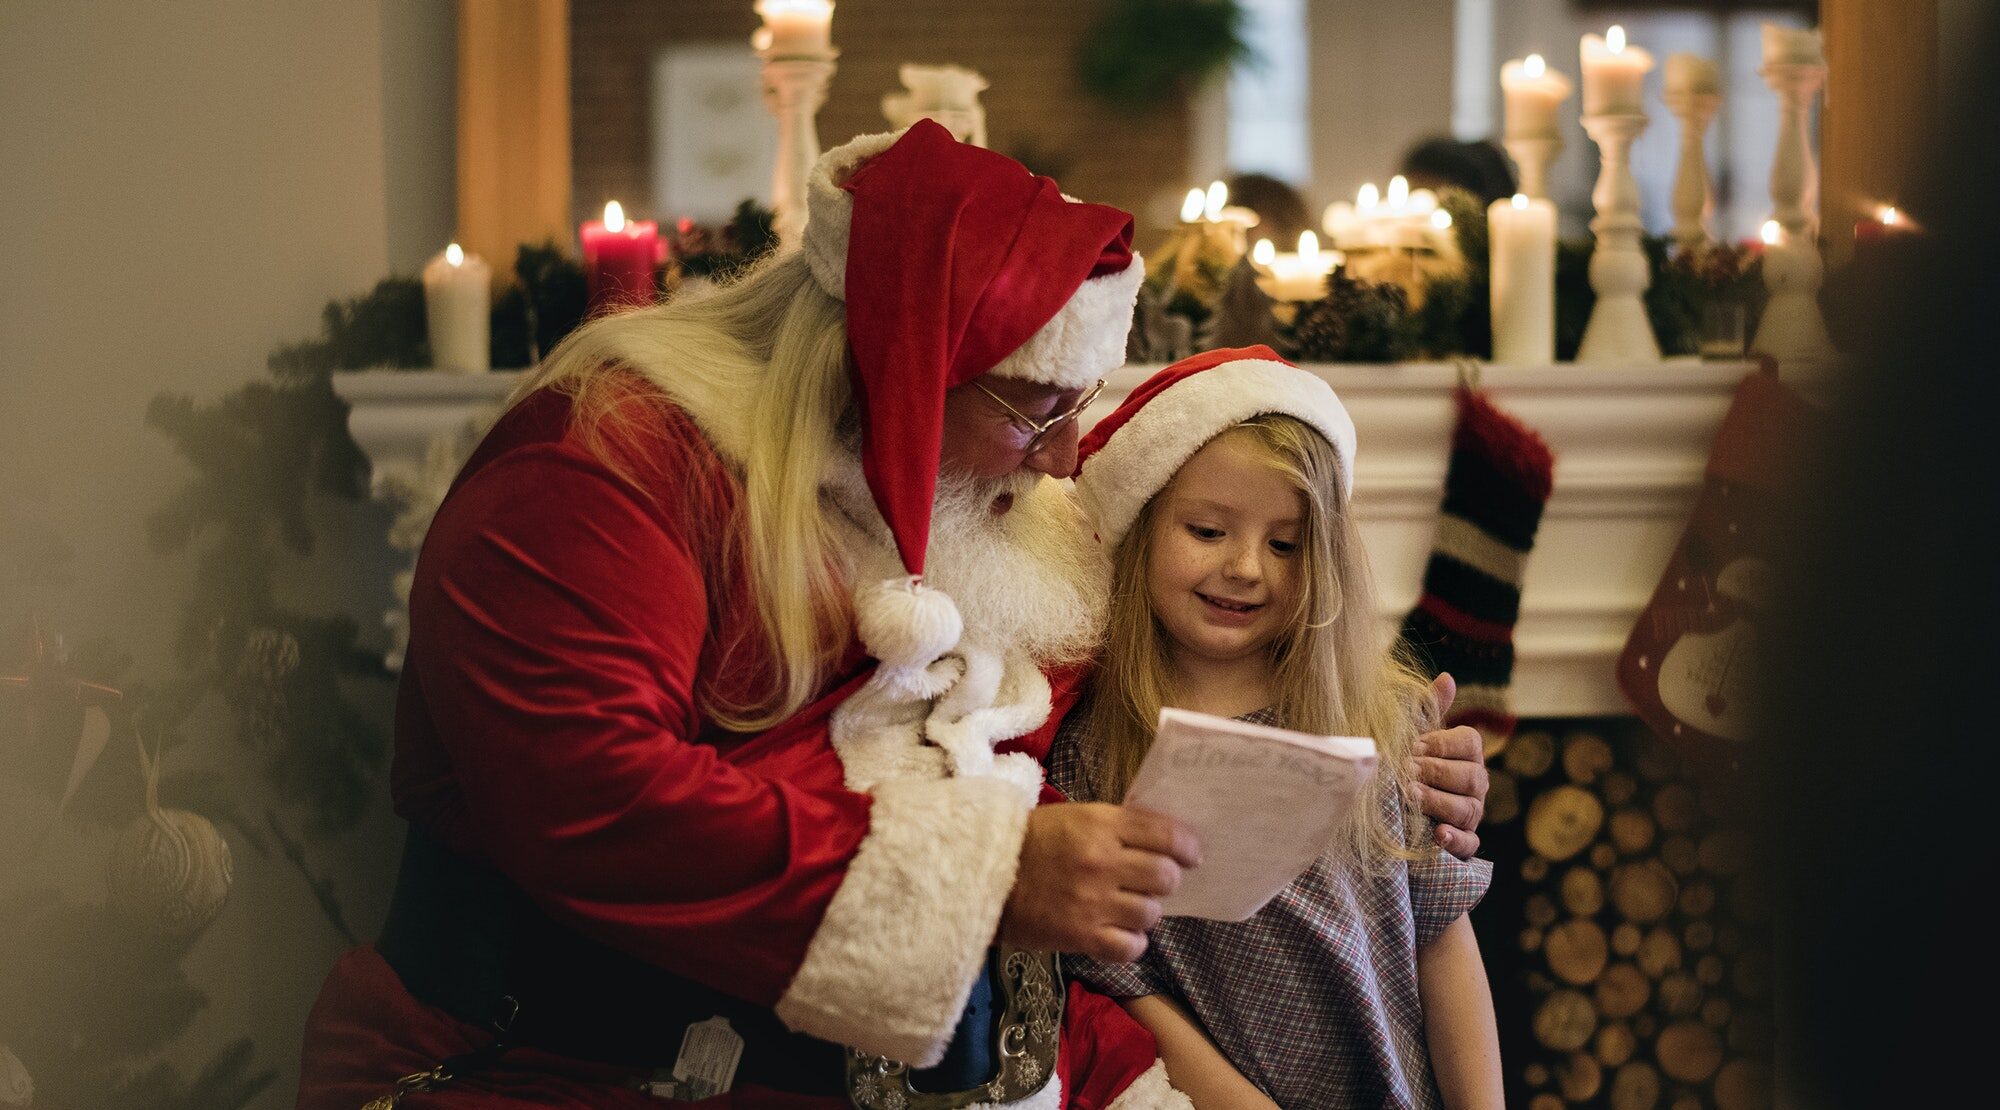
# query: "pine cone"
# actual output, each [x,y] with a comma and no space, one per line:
[1319,333]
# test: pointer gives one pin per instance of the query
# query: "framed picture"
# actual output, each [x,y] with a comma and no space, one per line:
[713,142]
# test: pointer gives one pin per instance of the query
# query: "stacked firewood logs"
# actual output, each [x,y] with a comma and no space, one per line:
[1643,952]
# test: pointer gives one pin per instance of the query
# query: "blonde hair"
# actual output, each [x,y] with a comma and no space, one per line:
[760,365]
[1335,671]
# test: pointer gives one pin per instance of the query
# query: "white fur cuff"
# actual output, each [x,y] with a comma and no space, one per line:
[893,962]
[1151,1091]
[1048,1098]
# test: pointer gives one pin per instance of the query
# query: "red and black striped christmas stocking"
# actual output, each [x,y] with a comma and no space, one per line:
[1495,487]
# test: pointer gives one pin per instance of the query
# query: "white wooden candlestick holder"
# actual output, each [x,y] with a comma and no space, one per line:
[1792,329]
[1532,157]
[794,89]
[1694,192]
[1618,330]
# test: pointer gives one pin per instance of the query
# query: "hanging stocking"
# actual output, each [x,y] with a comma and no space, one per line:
[1498,480]
[1689,665]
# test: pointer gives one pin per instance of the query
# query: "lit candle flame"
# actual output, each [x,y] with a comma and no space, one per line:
[1890,217]
[1440,219]
[1399,191]
[1263,253]
[1308,246]
[1534,66]
[1218,195]
[1770,233]
[1520,200]
[614,216]
[1192,206]
[1368,197]
[1614,39]
[454,255]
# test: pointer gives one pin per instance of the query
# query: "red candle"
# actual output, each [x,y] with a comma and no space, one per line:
[1884,223]
[619,257]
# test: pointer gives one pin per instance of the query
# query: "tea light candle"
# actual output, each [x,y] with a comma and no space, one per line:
[619,256]
[1293,277]
[1885,223]
[1400,218]
[1523,237]
[1614,75]
[1533,93]
[795,27]
[457,306]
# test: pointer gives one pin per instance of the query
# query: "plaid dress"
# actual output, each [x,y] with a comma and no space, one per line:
[1314,998]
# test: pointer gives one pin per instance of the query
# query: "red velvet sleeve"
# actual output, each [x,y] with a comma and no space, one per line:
[557,623]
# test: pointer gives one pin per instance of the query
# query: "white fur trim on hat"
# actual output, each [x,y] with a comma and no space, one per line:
[893,961]
[1085,340]
[830,209]
[1151,1091]
[1080,344]
[1140,458]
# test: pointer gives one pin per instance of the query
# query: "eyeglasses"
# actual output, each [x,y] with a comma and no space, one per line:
[1043,428]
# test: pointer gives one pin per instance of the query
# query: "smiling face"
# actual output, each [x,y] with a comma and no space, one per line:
[1224,570]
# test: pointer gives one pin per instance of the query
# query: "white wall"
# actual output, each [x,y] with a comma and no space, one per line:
[1381,80]
[182,187]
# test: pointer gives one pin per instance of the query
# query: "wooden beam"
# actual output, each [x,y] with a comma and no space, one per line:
[1881,101]
[513,127]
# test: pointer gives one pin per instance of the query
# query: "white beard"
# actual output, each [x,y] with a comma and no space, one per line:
[1032,580]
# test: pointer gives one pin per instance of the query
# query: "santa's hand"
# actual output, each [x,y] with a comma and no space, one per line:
[1091,879]
[1451,778]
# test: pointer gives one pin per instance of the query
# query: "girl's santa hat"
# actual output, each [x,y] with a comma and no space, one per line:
[1133,453]
[953,261]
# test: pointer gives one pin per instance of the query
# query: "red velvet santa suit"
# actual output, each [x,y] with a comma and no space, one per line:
[564,624]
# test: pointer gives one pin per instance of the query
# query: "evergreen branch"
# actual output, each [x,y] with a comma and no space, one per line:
[321,887]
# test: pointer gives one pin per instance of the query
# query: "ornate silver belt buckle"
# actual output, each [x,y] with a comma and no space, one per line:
[1028,1029]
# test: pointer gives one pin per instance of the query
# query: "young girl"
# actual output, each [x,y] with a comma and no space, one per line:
[1241,589]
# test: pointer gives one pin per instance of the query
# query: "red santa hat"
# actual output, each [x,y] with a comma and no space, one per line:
[953,261]
[1133,453]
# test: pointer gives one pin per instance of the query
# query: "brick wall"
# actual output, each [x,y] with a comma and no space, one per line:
[1025,48]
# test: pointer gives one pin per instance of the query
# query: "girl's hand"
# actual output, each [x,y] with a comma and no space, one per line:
[1451,777]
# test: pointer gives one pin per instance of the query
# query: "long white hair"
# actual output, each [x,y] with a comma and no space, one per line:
[760,365]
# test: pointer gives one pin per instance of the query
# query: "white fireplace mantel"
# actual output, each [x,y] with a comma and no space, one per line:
[1630,441]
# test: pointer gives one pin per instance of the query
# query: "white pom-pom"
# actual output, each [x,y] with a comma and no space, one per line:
[906,624]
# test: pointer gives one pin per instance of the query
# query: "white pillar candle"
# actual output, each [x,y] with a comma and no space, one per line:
[795,27]
[1791,46]
[1532,95]
[457,292]
[1691,75]
[1522,231]
[1614,75]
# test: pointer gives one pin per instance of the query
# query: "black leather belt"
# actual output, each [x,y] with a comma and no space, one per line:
[466,940]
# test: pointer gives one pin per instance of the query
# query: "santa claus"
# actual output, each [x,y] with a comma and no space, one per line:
[734,651]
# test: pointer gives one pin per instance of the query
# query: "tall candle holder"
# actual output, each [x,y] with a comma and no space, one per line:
[795,84]
[1792,329]
[1532,158]
[1618,330]
[1694,191]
